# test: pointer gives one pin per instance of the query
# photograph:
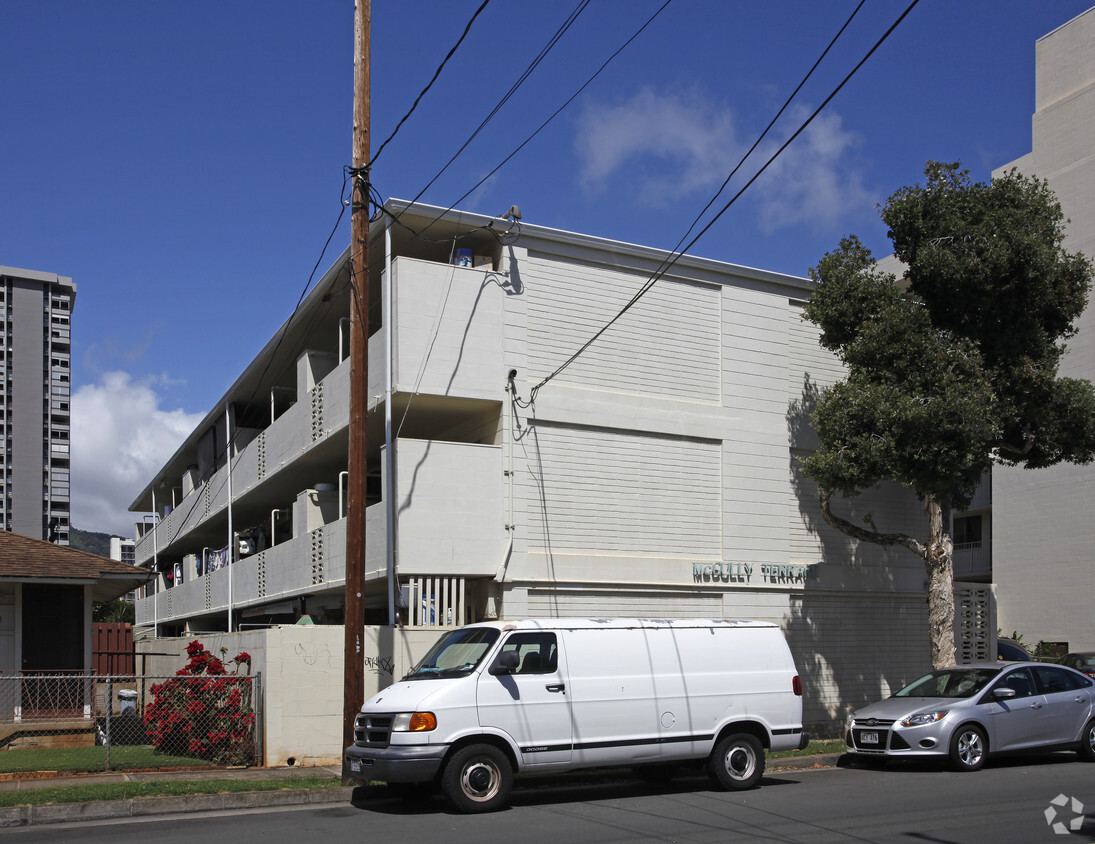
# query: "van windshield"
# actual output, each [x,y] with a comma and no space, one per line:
[456,654]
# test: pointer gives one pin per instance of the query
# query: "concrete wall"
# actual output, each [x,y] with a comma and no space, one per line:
[1043,533]
[302,679]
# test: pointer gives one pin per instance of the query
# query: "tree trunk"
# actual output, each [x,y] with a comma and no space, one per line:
[939,562]
[938,557]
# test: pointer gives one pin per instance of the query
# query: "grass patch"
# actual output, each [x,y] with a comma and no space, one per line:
[158,788]
[92,759]
[812,749]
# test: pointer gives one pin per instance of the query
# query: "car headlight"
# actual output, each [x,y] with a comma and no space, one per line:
[922,718]
[414,722]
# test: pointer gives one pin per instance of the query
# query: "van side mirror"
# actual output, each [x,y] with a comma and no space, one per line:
[506,663]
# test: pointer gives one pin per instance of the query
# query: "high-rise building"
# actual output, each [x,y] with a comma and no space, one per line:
[1042,530]
[34,402]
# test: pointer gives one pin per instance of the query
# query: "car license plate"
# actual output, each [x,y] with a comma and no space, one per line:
[868,738]
[355,766]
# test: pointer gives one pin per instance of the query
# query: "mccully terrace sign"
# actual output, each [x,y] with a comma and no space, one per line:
[749,573]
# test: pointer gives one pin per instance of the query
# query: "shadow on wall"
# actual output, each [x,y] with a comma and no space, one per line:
[856,634]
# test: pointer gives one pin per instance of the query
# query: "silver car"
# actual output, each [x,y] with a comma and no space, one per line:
[966,712]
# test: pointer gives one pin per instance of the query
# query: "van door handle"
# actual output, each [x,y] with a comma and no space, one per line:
[556,687]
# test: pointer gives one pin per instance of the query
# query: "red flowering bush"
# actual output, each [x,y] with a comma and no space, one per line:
[204,712]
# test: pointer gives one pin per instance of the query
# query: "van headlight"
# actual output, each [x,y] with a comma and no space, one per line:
[414,722]
[922,718]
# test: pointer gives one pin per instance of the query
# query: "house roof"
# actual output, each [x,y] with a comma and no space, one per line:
[27,560]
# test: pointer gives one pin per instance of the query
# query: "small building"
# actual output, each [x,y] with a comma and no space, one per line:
[46,596]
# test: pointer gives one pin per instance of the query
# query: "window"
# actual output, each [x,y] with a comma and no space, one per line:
[1020,681]
[967,531]
[1056,680]
[538,652]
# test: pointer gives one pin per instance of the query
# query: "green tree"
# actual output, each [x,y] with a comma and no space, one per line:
[956,366]
[118,610]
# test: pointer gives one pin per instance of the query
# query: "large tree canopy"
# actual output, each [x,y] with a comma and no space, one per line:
[956,365]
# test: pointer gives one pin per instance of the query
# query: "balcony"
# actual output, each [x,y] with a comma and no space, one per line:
[306,564]
[451,522]
[448,340]
[283,449]
[973,561]
[450,505]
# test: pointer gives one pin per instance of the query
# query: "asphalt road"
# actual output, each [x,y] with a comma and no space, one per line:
[1005,802]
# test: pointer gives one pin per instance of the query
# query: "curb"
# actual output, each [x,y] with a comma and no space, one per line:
[821,760]
[137,807]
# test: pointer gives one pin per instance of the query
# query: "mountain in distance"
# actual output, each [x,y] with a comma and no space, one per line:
[90,541]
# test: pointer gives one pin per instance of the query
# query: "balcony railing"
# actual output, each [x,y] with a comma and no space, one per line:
[972,559]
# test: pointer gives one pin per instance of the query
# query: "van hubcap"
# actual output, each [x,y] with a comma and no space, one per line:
[480,780]
[740,762]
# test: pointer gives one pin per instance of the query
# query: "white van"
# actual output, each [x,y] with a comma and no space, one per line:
[493,700]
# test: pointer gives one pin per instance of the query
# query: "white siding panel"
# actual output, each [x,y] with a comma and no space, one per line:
[606,491]
[888,508]
[549,603]
[667,344]
[810,369]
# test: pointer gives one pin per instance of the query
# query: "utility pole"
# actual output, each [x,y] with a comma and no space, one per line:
[354,677]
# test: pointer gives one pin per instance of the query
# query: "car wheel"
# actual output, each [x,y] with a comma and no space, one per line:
[1087,742]
[969,747]
[737,762]
[477,778]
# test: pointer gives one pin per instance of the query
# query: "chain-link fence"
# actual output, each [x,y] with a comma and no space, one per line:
[78,722]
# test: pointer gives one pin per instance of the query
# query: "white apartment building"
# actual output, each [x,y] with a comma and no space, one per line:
[35,352]
[656,475]
[1043,536]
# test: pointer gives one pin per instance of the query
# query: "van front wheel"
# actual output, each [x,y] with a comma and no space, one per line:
[737,762]
[477,779]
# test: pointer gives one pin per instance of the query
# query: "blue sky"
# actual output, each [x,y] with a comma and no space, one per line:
[183,161]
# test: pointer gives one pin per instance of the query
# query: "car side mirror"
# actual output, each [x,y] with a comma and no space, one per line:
[506,663]
[1003,692]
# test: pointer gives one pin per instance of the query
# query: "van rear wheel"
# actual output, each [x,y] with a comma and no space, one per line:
[477,778]
[737,762]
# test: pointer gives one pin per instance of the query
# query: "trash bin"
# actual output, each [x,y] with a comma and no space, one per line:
[127,702]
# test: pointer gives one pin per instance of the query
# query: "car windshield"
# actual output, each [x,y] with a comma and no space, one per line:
[950,682]
[455,654]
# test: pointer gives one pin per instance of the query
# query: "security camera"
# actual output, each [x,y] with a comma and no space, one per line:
[512,374]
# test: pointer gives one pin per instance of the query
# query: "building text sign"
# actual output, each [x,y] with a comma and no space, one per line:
[752,573]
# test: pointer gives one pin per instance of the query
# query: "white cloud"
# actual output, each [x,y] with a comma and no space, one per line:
[675,146]
[120,437]
[815,180]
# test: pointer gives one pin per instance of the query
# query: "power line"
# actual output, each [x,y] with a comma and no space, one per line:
[676,256]
[553,115]
[429,85]
[559,33]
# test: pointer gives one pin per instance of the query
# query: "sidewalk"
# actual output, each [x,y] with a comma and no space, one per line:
[15,816]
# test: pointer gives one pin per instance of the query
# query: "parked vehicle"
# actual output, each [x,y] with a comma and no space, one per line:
[1011,651]
[493,700]
[967,712]
[1083,662]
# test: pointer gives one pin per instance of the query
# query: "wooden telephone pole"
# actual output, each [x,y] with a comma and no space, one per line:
[354,682]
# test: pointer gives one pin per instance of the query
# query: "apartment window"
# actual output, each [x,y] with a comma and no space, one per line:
[967,532]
